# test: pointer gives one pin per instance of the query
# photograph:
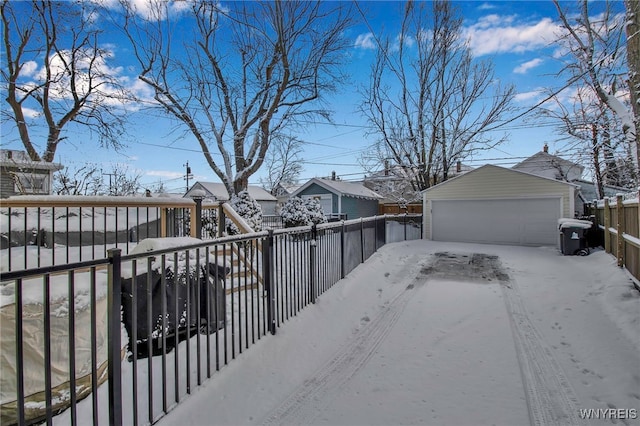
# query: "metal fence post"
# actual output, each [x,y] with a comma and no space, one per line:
[221,221]
[113,332]
[198,221]
[312,263]
[342,250]
[606,212]
[405,227]
[267,276]
[361,241]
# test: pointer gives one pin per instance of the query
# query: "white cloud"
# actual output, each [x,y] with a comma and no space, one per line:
[30,113]
[529,96]
[29,68]
[524,67]
[486,6]
[407,40]
[365,41]
[501,34]
[164,173]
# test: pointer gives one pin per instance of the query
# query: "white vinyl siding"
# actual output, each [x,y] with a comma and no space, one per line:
[497,183]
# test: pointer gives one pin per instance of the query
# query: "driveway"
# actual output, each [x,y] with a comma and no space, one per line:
[445,334]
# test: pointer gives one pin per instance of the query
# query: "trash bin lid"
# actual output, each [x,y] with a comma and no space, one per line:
[574,223]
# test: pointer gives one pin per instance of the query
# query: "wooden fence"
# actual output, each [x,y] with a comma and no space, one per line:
[619,218]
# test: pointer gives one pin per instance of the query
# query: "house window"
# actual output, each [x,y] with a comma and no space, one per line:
[31,183]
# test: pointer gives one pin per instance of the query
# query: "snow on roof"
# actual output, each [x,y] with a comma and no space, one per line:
[350,189]
[588,190]
[21,160]
[219,191]
[541,158]
[290,187]
[503,168]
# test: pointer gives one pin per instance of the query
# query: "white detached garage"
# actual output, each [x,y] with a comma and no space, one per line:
[496,205]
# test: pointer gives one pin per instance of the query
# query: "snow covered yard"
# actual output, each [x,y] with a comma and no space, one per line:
[428,333]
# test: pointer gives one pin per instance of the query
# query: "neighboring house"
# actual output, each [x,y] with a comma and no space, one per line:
[218,192]
[19,175]
[496,205]
[550,166]
[554,167]
[283,192]
[339,198]
[399,195]
[587,194]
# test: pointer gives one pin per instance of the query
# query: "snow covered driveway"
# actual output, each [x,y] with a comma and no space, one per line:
[445,334]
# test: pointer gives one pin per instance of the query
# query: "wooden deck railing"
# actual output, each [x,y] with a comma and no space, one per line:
[619,218]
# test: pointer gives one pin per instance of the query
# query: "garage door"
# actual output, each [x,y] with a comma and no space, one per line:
[507,221]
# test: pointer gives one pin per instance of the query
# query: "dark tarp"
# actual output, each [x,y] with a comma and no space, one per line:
[189,295]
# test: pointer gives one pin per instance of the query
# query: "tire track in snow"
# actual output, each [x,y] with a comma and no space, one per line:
[310,399]
[550,398]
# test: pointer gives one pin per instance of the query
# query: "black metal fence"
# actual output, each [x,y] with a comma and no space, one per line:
[154,325]
[59,230]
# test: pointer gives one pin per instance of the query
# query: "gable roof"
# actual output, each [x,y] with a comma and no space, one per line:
[471,173]
[289,188]
[12,159]
[588,191]
[218,191]
[341,188]
[542,159]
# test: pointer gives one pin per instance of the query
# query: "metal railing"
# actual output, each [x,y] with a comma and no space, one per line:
[157,324]
[64,229]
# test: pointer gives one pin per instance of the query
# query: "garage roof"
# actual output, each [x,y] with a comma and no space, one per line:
[490,167]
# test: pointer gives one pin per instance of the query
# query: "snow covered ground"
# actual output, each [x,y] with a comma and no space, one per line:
[444,334]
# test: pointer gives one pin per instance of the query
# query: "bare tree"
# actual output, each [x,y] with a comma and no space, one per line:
[596,57]
[122,181]
[633,61]
[282,163]
[84,180]
[594,135]
[55,73]
[238,77]
[429,101]
[91,179]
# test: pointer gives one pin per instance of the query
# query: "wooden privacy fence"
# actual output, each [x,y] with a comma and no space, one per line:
[619,218]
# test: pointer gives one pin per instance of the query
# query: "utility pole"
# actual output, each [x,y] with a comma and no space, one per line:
[110,184]
[188,175]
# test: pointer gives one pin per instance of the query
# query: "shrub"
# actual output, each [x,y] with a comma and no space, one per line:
[249,209]
[299,212]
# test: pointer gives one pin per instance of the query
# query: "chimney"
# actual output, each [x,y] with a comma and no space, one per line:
[458,166]
[386,167]
[333,175]
[545,148]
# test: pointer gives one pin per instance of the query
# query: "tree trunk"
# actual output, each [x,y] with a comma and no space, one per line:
[596,162]
[633,59]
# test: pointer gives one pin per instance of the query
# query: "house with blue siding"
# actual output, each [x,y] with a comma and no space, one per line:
[348,200]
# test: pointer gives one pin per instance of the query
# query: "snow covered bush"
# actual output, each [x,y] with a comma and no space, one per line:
[315,212]
[250,211]
[299,212]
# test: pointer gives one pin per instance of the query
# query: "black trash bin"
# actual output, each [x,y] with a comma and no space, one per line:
[573,236]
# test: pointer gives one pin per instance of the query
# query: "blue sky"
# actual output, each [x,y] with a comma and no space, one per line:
[516,35]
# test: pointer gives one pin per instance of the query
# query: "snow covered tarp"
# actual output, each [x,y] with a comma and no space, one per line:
[33,326]
[33,346]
